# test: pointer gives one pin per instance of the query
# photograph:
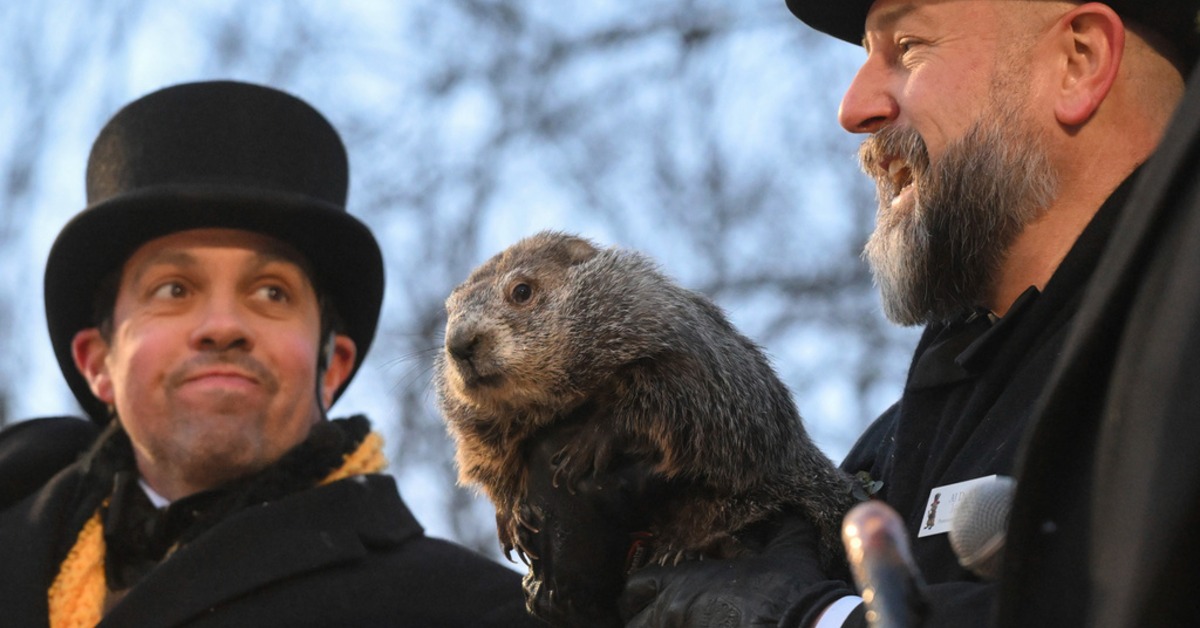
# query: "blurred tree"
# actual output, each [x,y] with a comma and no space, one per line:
[701,132]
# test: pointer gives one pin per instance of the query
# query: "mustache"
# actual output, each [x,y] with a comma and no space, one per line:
[890,143]
[237,361]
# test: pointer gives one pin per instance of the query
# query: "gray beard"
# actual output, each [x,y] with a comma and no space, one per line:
[943,256]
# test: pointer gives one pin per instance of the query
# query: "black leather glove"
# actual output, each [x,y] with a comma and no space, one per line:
[780,585]
[582,532]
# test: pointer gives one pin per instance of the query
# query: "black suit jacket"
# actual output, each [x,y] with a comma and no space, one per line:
[1105,527]
[346,554]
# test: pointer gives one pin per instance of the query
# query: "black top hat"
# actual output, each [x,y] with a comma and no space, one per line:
[1174,20]
[213,154]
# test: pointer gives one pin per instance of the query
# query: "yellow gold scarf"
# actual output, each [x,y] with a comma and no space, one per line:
[77,595]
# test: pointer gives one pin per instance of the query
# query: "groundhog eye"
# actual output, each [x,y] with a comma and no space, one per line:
[521,292]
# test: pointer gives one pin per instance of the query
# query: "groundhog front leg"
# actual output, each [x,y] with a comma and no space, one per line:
[588,453]
[513,528]
[504,479]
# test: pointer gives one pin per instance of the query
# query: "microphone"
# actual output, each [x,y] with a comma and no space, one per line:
[877,547]
[979,525]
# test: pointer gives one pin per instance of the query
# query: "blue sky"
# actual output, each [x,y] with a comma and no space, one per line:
[762,97]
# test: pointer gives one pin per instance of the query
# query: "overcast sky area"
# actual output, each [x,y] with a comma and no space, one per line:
[702,133]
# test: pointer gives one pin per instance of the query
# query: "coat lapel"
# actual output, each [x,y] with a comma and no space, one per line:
[1145,458]
[263,544]
[1073,422]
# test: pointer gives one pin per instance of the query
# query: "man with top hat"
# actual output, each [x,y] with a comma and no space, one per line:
[1007,138]
[207,308]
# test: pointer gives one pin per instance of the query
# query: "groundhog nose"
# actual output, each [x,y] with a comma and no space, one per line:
[462,343]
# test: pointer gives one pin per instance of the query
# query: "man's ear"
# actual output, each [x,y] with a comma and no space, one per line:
[1092,40]
[342,351]
[89,350]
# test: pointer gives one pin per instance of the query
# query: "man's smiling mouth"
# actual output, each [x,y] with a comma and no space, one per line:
[900,173]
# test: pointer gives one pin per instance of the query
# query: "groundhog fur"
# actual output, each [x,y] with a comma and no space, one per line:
[555,329]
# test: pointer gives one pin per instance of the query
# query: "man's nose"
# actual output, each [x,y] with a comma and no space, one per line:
[222,326]
[868,106]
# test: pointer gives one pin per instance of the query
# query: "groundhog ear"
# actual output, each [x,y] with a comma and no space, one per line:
[579,251]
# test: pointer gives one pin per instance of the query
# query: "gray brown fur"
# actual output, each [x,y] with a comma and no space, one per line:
[667,372]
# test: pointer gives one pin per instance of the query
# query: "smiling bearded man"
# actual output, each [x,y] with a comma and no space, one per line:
[944,229]
[1005,137]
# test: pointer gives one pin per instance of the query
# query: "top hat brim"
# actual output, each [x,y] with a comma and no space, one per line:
[844,19]
[1174,20]
[343,254]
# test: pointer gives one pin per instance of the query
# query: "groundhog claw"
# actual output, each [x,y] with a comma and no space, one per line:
[525,524]
[527,518]
[588,454]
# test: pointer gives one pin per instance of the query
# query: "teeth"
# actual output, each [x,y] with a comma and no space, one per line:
[900,173]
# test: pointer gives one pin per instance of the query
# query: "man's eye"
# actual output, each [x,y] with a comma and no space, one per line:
[170,290]
[273,293]
[906,45]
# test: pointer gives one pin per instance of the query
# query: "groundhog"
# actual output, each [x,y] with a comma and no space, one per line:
[609,376]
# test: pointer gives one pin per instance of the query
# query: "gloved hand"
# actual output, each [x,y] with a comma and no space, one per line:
[781,585]
[579,533]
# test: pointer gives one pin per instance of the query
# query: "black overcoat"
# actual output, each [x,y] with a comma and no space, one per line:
[1105,527]
[345,554]
[971,389]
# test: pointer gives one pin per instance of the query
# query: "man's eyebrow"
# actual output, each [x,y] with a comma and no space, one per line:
[264,258]
[168,257]
[886,19]
[282,255]
[183,259]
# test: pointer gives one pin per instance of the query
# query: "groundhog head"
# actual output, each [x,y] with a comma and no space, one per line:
[507,341]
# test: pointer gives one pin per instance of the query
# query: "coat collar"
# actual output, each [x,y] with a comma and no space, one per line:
[257,546]
[964,348]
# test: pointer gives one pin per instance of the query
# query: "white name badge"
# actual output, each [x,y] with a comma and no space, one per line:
[943,501]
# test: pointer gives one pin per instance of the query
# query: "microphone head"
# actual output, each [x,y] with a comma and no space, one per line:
[979,525]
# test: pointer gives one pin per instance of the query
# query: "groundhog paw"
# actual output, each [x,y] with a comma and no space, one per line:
[715,545]
[670,556]
[526,526]
[589,454]
[516,529]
